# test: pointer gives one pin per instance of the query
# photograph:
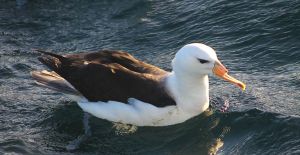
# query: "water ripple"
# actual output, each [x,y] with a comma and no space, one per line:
[257,40]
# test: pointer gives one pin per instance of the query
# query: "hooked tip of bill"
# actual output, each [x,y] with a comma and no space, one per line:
[242,86]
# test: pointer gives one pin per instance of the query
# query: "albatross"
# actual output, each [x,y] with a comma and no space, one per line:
[115,86]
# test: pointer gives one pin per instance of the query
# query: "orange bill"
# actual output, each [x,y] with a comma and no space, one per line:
[221,72]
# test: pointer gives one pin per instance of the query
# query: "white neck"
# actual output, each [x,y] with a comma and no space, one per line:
[191,93]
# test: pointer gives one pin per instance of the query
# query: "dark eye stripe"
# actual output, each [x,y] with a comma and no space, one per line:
[203,61]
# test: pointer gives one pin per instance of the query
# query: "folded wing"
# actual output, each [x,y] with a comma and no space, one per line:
[109,75]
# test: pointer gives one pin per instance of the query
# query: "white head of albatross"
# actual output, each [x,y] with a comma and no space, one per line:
[188,82]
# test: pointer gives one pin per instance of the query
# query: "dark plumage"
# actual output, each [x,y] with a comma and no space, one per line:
[110,75]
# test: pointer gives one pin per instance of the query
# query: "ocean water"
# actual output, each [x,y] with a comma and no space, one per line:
[259,41]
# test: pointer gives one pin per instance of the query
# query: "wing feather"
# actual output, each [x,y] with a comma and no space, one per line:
[112,75]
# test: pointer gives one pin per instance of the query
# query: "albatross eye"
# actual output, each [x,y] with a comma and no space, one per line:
[203,61]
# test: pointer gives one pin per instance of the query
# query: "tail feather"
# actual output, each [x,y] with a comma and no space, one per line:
[51,60]
[53,81]
[60,57]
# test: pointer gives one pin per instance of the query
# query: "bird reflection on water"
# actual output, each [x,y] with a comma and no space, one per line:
[202,134]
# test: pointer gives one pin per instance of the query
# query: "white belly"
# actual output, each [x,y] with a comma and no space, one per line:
[135,112]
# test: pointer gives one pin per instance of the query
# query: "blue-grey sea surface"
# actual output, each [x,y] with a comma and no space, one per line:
[258,40]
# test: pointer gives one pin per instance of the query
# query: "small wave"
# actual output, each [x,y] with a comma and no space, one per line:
[258,132]
[6,72]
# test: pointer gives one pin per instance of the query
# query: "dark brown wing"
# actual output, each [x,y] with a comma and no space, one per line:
[122,58]
[111,75]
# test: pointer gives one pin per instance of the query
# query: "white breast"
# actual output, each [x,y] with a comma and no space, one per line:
[191,94]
